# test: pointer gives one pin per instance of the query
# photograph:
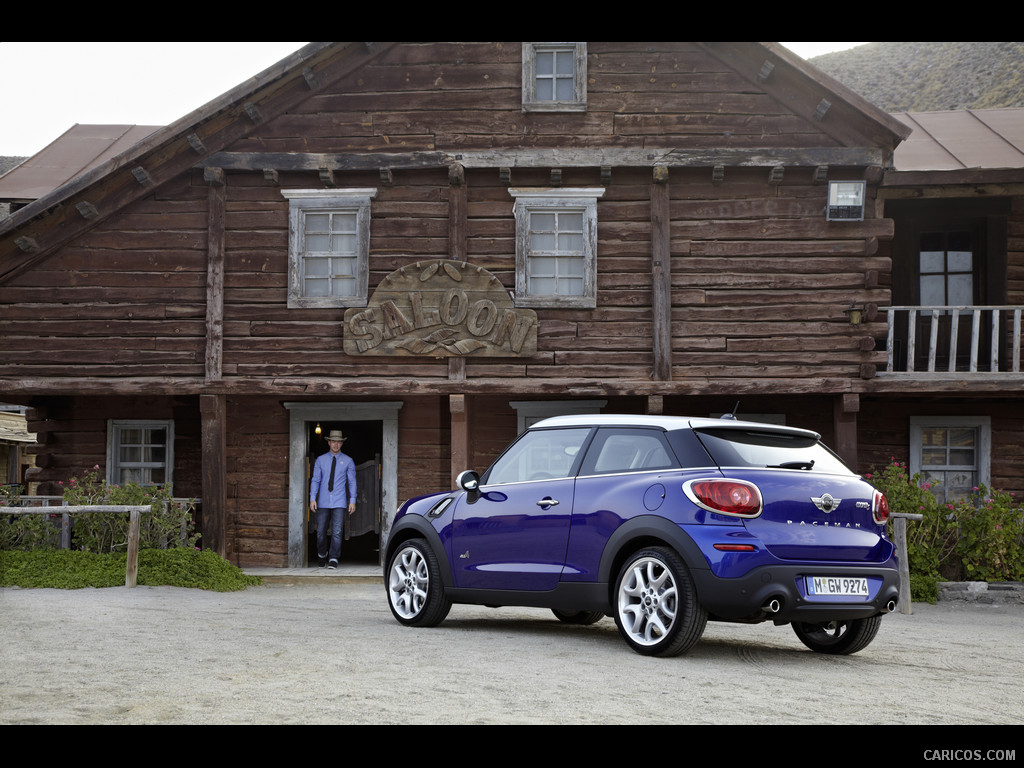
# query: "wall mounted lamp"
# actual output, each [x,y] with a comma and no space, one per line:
[318,430]
[845,201]
[855,314]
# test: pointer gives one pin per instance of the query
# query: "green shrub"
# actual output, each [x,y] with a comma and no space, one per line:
[991,530]
[170,524]
[70,569]
[978,538]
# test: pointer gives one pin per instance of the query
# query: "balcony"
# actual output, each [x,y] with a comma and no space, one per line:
[953,341]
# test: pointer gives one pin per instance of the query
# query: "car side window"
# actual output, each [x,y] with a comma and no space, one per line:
[539,455]
[627,450]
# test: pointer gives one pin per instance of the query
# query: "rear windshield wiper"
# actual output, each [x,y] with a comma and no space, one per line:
[793,465]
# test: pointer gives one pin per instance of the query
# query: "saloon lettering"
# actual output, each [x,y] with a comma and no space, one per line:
[441,308]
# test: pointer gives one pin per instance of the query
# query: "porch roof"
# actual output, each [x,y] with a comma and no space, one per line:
[962,139]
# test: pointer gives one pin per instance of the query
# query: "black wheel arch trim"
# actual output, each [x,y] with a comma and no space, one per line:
[416,527]
[648,530]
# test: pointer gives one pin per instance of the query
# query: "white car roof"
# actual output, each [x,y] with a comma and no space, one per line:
[667,423]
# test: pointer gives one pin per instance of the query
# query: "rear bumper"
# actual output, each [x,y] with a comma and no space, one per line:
[778,593]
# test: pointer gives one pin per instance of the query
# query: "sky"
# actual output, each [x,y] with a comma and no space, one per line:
[49,87]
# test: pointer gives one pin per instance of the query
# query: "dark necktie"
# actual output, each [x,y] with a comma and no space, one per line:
[334,463]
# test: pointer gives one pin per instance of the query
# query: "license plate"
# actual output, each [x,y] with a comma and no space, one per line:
[837,586]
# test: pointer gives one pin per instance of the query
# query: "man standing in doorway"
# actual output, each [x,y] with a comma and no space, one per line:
[333,484]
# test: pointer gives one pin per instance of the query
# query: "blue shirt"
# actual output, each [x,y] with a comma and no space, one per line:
[344,492]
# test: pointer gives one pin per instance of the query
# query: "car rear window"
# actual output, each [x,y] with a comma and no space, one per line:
[756,449]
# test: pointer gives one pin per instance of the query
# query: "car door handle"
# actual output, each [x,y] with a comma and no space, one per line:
[547,503]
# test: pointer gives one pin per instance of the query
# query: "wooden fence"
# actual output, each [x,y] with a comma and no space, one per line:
[53,505]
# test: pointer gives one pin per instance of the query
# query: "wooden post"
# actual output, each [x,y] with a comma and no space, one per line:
[132,570]
[461,446]
[214,447]
[844,416]
[661,275]
[899,535]
[216,204]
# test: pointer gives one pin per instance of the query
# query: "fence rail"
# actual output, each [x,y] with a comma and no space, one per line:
[134,517]
[54,505]
[967,339]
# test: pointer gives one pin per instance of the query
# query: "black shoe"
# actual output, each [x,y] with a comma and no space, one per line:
[323,562]
[332,565]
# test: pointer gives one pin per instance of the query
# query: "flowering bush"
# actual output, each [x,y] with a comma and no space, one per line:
[977,538]
[991,543]
[169,525]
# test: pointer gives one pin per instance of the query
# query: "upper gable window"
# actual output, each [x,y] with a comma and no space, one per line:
[556,247]
[328,247]
[554,77]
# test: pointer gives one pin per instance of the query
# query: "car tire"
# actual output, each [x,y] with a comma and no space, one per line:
[416,595]
[578,617]
[838,637]
[656,606]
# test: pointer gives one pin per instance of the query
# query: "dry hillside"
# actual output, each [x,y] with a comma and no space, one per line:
[930,77]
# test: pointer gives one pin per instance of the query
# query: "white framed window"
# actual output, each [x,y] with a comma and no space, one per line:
[554,77]
[556,247]
[328,246]
[140,451]
[529,412]
[951,453]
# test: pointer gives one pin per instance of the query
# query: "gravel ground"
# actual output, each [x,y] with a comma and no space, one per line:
[318,653]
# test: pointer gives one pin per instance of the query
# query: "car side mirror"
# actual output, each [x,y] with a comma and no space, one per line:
[468,481]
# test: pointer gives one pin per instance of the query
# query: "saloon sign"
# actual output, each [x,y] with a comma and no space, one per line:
[441,308]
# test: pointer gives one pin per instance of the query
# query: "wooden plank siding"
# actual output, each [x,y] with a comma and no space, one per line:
[180,296]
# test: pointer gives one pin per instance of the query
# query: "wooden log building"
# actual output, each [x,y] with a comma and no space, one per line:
[431,245]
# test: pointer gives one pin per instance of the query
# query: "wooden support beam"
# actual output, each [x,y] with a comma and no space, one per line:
[27,244]
[661,275]
[214,176]
[213,414]
[87,210]
[142,176]
[556,177]
[327,177]
[269,174]
[844,418]
[718,174]
[253,112]
[312,82]
[456,368]
[197,144]
[606,175]
[386,178]
[461,441]
[776,174]
[458,214]
[215,235]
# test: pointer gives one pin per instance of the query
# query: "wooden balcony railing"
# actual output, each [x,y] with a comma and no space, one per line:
[937,340]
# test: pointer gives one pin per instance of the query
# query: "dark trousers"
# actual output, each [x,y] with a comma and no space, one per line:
[329,524]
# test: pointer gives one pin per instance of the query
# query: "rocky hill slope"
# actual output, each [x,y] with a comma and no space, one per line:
[929,77]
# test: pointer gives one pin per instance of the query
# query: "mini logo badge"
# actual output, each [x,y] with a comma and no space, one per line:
[826,503]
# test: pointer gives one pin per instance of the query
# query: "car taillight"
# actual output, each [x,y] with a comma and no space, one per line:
[726,497]
[880,508]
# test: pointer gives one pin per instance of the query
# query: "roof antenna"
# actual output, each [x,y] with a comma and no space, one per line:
[732,416]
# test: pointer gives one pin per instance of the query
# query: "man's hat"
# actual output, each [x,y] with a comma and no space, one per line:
[335,434]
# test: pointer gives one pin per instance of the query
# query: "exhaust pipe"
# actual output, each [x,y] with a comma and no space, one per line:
[772,606]
[889,607]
